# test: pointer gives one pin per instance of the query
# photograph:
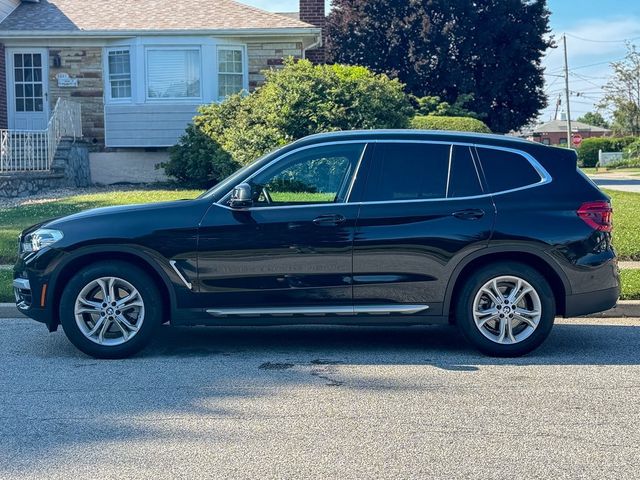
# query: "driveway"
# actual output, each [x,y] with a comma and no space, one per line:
[322,402]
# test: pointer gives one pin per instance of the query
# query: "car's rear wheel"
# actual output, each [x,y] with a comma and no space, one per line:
[506,309]
[110,309]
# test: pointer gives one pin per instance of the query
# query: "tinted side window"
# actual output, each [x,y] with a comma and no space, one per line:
[506,170]
[408,171]
[315,175]
[464,180]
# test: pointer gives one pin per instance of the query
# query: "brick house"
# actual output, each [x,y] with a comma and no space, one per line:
[139,69]
[554,132]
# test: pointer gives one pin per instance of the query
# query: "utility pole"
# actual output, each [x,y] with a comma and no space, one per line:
[566,86]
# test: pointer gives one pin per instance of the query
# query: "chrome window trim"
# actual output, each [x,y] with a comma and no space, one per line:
[328,310]
[545,177]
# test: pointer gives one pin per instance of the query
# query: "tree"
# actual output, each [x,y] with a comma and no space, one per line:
[431,105]
[622,93]
[490,50]
[594,119]
[299,100]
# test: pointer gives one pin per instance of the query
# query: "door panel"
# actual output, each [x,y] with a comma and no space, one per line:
[27,89]
[405,250]
[293,246]
[276,256]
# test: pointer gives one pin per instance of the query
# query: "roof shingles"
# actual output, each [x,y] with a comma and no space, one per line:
[143,15]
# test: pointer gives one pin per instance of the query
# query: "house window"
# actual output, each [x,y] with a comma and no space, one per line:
[563,141]
[546,141]
[230,71]
[119,74]
[173,73]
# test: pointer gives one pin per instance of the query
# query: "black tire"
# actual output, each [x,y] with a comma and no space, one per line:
[464,309]
[143,284]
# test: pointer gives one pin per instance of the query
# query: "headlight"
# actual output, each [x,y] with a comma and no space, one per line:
[40,238]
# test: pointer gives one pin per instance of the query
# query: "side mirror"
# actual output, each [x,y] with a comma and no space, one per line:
[241,196]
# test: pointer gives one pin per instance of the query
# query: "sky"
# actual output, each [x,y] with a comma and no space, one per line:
[596,30]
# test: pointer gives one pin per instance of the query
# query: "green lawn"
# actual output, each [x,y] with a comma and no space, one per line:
[6,288]
[14,220]
[630,284]
[626,224]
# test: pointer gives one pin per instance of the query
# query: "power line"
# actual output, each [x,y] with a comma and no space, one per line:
[623,40]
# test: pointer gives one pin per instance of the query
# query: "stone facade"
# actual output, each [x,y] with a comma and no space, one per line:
[85,64]
[263,56]
[70,169]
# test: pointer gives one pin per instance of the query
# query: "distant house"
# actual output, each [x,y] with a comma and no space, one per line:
[555,132]
[139,68]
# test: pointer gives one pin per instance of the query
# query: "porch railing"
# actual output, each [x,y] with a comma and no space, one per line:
[34,150]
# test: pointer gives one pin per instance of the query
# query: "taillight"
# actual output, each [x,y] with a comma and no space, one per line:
[597,215]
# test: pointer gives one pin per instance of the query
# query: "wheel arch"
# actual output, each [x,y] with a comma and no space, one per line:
[553,274]
[89,256]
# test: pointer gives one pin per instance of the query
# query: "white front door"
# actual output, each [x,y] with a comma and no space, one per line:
[27,85]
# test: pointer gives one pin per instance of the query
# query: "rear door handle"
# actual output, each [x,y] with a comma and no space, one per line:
[329,220]
[469,214]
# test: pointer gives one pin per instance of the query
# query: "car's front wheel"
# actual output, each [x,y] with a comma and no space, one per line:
[110,309]
[506,309]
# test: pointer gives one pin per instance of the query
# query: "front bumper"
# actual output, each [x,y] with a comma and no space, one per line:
[31,277]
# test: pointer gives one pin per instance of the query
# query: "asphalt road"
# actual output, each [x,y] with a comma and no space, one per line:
[324,402]
[623,184]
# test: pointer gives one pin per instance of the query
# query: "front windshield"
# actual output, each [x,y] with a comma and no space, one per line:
[231,181]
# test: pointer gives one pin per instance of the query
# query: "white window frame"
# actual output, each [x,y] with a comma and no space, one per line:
[245,67]
[149,48]
[107,76]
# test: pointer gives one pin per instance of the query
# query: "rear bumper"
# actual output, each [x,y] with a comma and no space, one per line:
[591,302]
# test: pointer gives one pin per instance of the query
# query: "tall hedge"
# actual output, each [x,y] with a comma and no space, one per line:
[462,124]
[588,150]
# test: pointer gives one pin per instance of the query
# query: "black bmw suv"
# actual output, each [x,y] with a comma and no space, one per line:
[493,234]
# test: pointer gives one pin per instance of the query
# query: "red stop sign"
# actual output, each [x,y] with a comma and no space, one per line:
[576,139]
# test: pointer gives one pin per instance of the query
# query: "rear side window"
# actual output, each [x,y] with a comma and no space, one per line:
[408,171]
[506,170]
[464,180]
[416,171]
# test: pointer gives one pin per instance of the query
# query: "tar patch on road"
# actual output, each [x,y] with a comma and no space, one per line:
[275,366]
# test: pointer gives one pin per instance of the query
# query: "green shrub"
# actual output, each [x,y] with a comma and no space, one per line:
[588,150]
[462,124]
[632,151]
[198,161]
[298,100]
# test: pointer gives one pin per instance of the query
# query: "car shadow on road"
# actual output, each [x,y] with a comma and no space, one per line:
[568,344]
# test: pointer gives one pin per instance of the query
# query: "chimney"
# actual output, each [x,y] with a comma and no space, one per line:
[312,12]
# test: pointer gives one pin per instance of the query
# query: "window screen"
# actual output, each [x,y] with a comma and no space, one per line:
[506,170]
[173,73]
[120,73]
[230,71]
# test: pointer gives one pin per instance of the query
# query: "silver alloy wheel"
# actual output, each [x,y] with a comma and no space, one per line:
[109,311]
[507,309]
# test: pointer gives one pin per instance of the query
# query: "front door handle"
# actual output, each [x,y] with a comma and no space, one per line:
[469,214]
[329,220]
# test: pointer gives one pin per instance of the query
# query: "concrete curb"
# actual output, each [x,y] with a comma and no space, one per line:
[625,308]
[9,310]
